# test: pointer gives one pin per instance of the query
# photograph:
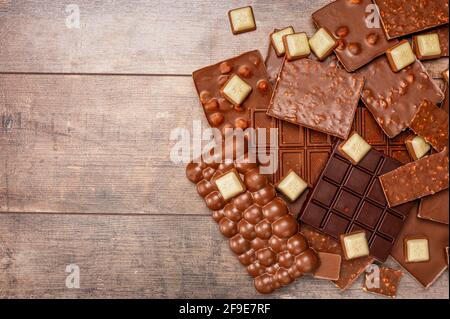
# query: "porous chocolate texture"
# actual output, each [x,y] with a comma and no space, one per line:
[261,230]
[349,198]
[403,17]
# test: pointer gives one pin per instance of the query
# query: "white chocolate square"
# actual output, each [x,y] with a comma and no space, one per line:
[277,40]
[292,186]
[242,19]
[355,245]
[417,250]
[420,147]
[429,45]
[229,185]
[356,147]
[236,90]
[401,56]
[297,45]
[322,43]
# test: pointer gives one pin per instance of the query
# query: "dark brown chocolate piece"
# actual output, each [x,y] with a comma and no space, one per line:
[260,228]
[358,44]
[426,273]
[349,198]
[302,96]
[387,283]
[435,207]
[403,17]
[350,269]
[412,181]
[393,98]
[210,80]
[431,123]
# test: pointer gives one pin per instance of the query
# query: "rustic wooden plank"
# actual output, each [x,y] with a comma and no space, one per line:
[140,36]
[94,144]
[142,256]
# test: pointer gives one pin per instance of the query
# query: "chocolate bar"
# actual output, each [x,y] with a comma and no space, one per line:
[261,230]
[425,273]
[387,283]
[210,81]
[403,17]
[349,198]
[435,207]
[393,98]
[350,269]
[431,123]
[242,20]
[358,44]
[302,96]
[412,181]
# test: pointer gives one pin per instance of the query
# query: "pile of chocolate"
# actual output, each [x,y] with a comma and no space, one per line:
[362,147]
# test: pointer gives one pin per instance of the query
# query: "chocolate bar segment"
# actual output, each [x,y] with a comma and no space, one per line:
[403,17]
[350,269]
[209,81]
[387,283]
[349,198]
[425,273]
[261,230]
[358,44]
[393,98]
[302,96]
[330,266]
[431,123]
[412,181]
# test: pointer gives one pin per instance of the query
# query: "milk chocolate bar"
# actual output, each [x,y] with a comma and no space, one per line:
[260,228]
[431,123]
[220,109]
[425,273]
[412,181]
[349,198]
[350,269]
[403,17]
[302,96]
[387,283]
[393,98]
[358,44]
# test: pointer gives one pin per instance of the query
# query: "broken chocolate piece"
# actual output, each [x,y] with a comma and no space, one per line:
[386,284]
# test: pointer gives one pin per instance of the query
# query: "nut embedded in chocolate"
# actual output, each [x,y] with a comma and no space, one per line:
[229,185]
[355,148]
[277,40]
[427,46]
[417,147]
[292,186]
[355,245]
[322,43]
[416,249]
[296,46]
[242,20]
[400,56]
[236,90]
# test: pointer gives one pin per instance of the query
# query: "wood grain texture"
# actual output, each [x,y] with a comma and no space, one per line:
[137,256]
[139,36]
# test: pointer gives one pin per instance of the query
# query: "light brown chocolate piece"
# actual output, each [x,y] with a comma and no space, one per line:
[415,180]
[431,123]
[242,20]
[400,56]
[417,147]
[416,249]
[355,245]
[388,281]
[322,43]
[330,266]
[277,39]
[427,46]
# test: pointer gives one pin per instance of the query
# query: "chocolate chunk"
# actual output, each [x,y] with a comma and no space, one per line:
[416,249]
[386,284]
[322,43]
[427,46]
[302,96]
[403,17]
[297,46]
[242,20]
[417,147]
[412,181]
[355,148]
[400,56]
[355,245]
[393,98]
[277,39]
[330,266]
[349,198]
[360,43]
[292,186]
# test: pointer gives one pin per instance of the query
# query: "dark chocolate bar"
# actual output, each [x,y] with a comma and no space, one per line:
[317,96]
[358,44]
[349,198]
[403,17]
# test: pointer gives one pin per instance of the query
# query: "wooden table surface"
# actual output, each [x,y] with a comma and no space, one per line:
[85,173]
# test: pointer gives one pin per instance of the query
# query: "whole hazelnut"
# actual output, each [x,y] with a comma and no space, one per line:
[342,32]
[245,71]
[263,85]
[216,119]
[372,38]
[225,68]
[354,48]
[212,105]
